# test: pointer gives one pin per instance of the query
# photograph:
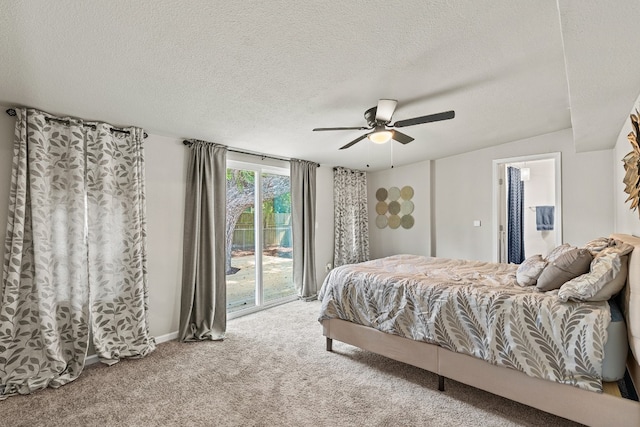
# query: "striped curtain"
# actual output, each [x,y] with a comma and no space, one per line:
[515,210]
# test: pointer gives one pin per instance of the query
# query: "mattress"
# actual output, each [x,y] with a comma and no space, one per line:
[616,348]
[477,308]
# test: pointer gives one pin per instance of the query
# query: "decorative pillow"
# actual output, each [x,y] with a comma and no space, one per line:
[565,267]
[620,247]
[530,269]
[596,245]
[607,277]
[557,251]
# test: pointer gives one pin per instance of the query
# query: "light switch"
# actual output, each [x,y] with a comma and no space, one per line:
[477,223]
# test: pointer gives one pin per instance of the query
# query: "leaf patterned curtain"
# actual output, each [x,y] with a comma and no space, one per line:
[51,256]
[44,312]
[117,243]
[351,236]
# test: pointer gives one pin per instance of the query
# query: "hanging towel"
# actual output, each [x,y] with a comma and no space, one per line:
[544,218]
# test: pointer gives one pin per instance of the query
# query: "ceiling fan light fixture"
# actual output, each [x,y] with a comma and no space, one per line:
[380,135]
[379,119]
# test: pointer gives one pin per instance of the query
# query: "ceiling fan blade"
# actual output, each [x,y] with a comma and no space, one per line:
[401,137]
[358,139]
[425,119]
[385,110]
[341,128]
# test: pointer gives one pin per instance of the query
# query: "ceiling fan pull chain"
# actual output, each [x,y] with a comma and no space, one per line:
[391,154]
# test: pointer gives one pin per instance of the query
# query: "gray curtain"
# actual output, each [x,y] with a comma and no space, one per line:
[75,244]
[351,235]
[303,209]
[203,311]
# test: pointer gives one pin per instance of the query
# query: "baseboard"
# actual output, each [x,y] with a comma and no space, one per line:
[90,360]
[167,337]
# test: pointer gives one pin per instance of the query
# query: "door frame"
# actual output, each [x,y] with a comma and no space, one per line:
[497,163]
[258,169]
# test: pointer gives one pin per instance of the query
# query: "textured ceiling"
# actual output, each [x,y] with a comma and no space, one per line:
[603,67]
[259,75]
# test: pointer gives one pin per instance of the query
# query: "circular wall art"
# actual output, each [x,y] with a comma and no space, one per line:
[406,207]
[394,221]
[381,194]
[394,207]
[394,194]
[381,221]
[406,221]
[406,193]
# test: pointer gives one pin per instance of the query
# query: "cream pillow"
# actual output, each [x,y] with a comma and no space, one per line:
[606,278]
[530,269]
[597,245]
[607,275]
[565,267]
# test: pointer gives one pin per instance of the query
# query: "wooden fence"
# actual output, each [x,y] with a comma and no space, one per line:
[276,227]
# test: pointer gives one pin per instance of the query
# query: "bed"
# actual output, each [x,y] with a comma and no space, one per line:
[560,373]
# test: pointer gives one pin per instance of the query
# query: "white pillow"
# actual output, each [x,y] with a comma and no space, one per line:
[530,269]
[597,245]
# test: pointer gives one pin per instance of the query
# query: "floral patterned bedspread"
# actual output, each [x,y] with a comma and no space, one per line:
[475,308]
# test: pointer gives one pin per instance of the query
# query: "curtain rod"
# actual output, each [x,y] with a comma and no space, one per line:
[12,113]
[263,156]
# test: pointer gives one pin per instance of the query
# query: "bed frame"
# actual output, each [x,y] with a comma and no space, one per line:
[566,401]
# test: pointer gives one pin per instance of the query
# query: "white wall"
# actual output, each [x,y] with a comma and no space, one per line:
[165,173]
[539,190]
[463,193]
[324,221]
[7,125]
[416,240]
[626,220]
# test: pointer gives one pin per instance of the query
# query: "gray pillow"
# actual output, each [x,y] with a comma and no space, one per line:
[557,251]
[565,267]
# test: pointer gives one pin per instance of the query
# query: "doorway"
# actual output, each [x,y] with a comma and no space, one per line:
[540,195]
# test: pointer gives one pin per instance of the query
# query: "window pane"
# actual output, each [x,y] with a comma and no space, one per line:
[241,257]
[277,254]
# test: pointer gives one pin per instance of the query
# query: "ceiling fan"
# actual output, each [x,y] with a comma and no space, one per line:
[379,120]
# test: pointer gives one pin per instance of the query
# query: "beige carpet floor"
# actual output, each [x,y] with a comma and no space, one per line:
[271,370]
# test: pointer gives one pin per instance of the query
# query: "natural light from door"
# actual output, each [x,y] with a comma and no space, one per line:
[259,242]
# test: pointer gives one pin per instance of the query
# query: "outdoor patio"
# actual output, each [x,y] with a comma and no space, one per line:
[277,279]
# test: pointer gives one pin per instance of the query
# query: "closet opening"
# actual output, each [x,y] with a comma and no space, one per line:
[527,200]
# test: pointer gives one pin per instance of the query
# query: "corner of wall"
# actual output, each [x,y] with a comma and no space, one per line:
[416,240]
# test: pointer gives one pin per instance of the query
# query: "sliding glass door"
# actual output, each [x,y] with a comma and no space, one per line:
[259,245]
